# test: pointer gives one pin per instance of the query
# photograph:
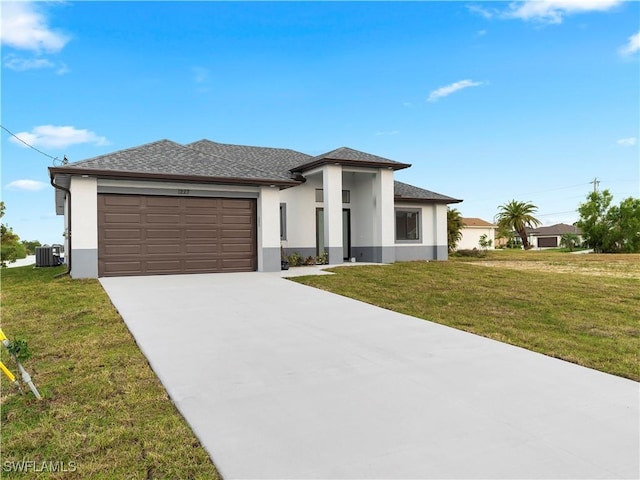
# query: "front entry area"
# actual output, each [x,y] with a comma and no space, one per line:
[151,235]
[346,232]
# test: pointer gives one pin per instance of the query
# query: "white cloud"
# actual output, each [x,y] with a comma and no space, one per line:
[21,64]
[50,136]
[449,89]
[627,142]
[554,11]
[27,185]
[481,11]
[632,46]
[25,27]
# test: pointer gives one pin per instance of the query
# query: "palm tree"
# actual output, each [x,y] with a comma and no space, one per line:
[517,216]
[454,228]
[569,240]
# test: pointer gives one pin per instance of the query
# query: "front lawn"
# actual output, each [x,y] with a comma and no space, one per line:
[104,413]
[581,308]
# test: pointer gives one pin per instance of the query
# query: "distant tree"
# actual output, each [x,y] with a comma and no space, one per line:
[569,241]
[517,216]
[485,242]
[10,247]
[30,246]
[454,228]
[607,228]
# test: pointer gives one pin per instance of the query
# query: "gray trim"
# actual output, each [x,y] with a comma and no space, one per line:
[422,252]
[374,254]
[335,255]
[271,259]
[442,252]
[175,192]
[85,263]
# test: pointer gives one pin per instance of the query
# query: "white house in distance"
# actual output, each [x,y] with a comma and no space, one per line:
[168,208]
[550,236]
[473,229]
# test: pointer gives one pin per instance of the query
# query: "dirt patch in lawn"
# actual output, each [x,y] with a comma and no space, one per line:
[603,269]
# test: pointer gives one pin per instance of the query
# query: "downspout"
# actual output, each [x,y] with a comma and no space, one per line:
[67,254]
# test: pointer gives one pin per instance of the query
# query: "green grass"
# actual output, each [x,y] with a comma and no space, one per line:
[103,407]
[581,308]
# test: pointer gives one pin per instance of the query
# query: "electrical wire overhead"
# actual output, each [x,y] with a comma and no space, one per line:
[56,160]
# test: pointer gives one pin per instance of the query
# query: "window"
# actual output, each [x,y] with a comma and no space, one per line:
[283,221]
[346,195]
[407,225]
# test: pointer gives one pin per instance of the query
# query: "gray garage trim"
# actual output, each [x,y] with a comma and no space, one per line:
[85,263]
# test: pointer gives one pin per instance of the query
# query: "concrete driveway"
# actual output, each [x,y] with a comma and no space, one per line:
[283,381]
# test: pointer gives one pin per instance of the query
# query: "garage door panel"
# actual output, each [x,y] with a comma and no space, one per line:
[123,234]
[162,266]
[173,249]
[113,218]
[164,233]
[162,202]
[202,248]
[125,249]
[175,235]
[207,219]
[162,218]
[122,200]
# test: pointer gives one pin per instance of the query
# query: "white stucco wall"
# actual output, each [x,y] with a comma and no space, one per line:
[471,237]
[84,211]
[268,206]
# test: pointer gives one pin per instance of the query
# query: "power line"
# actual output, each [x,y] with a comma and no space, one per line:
[55,159]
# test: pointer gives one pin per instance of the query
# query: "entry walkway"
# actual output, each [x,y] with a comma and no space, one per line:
[283,381]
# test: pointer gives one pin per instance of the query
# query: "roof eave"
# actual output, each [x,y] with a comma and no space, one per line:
[426,200]
[350,163]
[173,177]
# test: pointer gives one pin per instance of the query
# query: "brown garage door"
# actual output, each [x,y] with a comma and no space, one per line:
[547,241]
[150,235]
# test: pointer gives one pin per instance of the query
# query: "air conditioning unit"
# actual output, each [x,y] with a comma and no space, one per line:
[47,256]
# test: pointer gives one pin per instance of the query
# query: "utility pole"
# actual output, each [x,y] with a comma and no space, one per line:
[595,182]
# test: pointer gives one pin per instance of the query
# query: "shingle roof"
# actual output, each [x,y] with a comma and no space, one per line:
[476,222]
[275,161]
[172,159]
[404,191]
[349,156]
[554,230]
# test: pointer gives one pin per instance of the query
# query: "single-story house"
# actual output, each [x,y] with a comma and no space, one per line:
[472,230]
[549,237]
[169,208]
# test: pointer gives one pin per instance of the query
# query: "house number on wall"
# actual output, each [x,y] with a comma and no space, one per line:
[183,192]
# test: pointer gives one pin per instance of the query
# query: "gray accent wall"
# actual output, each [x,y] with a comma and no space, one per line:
[407,253]
[271,259]
[84,263]
[374,254]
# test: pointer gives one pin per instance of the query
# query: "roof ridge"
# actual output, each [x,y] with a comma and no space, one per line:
[249,146]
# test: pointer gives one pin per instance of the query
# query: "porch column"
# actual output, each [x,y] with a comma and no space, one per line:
[332,196]
[269,229]
[384,204]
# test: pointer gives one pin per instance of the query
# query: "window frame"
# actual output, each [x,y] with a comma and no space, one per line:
[418,229]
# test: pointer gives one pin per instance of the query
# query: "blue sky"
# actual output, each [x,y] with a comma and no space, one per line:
[490,101]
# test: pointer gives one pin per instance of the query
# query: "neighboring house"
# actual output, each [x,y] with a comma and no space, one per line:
[549,237]
[473,229]
[166,208]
